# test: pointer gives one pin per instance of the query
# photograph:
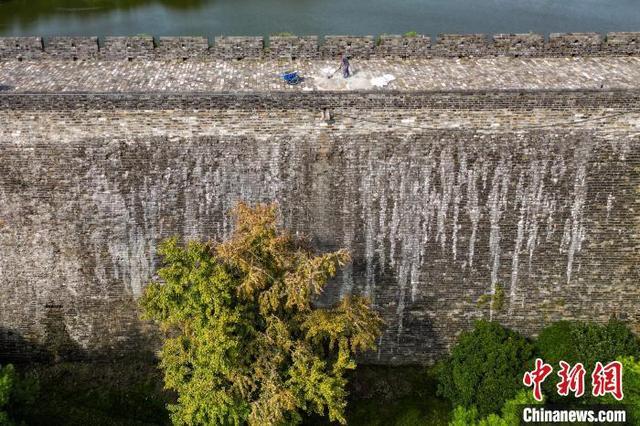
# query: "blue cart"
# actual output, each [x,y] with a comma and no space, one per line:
[291,78]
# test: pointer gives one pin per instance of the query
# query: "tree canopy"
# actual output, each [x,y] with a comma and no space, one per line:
[245,343]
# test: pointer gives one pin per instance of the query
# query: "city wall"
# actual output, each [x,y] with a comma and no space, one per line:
[516,206]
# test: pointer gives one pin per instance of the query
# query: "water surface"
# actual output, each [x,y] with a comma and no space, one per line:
[264,17]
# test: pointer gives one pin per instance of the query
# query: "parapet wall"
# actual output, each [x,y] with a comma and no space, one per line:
[310,47]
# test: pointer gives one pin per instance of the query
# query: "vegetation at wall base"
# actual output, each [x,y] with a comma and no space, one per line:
[509,415]
[396,396]
[585,342]
[485,368]
[122,392]
[244,343]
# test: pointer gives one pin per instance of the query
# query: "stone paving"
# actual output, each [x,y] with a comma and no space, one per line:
[495,73]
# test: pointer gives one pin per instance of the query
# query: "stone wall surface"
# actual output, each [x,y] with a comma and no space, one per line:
[308,47]
[20,48]
[518,44]
[291,47]
[461,45]
[128,48]
[622,43]
[352,46]
[182,48]
[464,194]
[574,44]
[418,46]
[238,47]
[73,48]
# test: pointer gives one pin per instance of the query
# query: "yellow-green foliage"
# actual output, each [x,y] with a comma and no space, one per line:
[244,342]
[495,300]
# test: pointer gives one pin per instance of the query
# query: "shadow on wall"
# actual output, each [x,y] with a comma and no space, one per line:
[58,345]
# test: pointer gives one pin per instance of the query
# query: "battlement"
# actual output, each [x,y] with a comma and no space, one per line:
[311,47]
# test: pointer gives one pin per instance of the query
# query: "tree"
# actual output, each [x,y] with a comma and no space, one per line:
[245,344]
[485,368]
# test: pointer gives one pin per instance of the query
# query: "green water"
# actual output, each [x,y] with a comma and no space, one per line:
[263,17]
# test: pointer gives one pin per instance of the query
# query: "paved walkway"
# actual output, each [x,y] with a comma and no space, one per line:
[428,74]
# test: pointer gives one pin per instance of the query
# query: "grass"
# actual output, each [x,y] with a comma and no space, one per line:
[283,34]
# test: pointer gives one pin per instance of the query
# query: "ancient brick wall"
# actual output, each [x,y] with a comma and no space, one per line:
[292,47]
[72,48]
[436,217]
[309,47]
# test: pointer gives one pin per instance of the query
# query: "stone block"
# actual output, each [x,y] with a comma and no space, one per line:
[574,44]
[128,48]
[518,44]
[622,43]
[238,47]
[292,47]
[418,46]
[353,46]
[72,48]
[182,48]
[20,48]
[458,45]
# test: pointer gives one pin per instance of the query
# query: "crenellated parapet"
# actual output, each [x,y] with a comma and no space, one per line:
[238,47]
[20,48]
[407,46]
[72,48]
[182,48]
[127,48]
[292,47]
[289,47]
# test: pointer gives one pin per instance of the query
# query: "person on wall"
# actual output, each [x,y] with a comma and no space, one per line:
[346,67]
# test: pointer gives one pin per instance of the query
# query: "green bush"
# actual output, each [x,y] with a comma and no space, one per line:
[7,378]
[509,416]
[584,342]
[17,394]
[485,368]
[630,387]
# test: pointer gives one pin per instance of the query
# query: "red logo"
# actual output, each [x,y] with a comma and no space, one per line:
[536,377]
[607,379]
[572,379]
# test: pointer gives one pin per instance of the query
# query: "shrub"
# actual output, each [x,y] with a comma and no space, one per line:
[631,389]
[17,394]
[7,379]
[485,368]
[587,343]
[510,414]
[245,344]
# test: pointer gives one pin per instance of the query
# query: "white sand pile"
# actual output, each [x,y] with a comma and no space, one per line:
[382,81]
[359,80]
